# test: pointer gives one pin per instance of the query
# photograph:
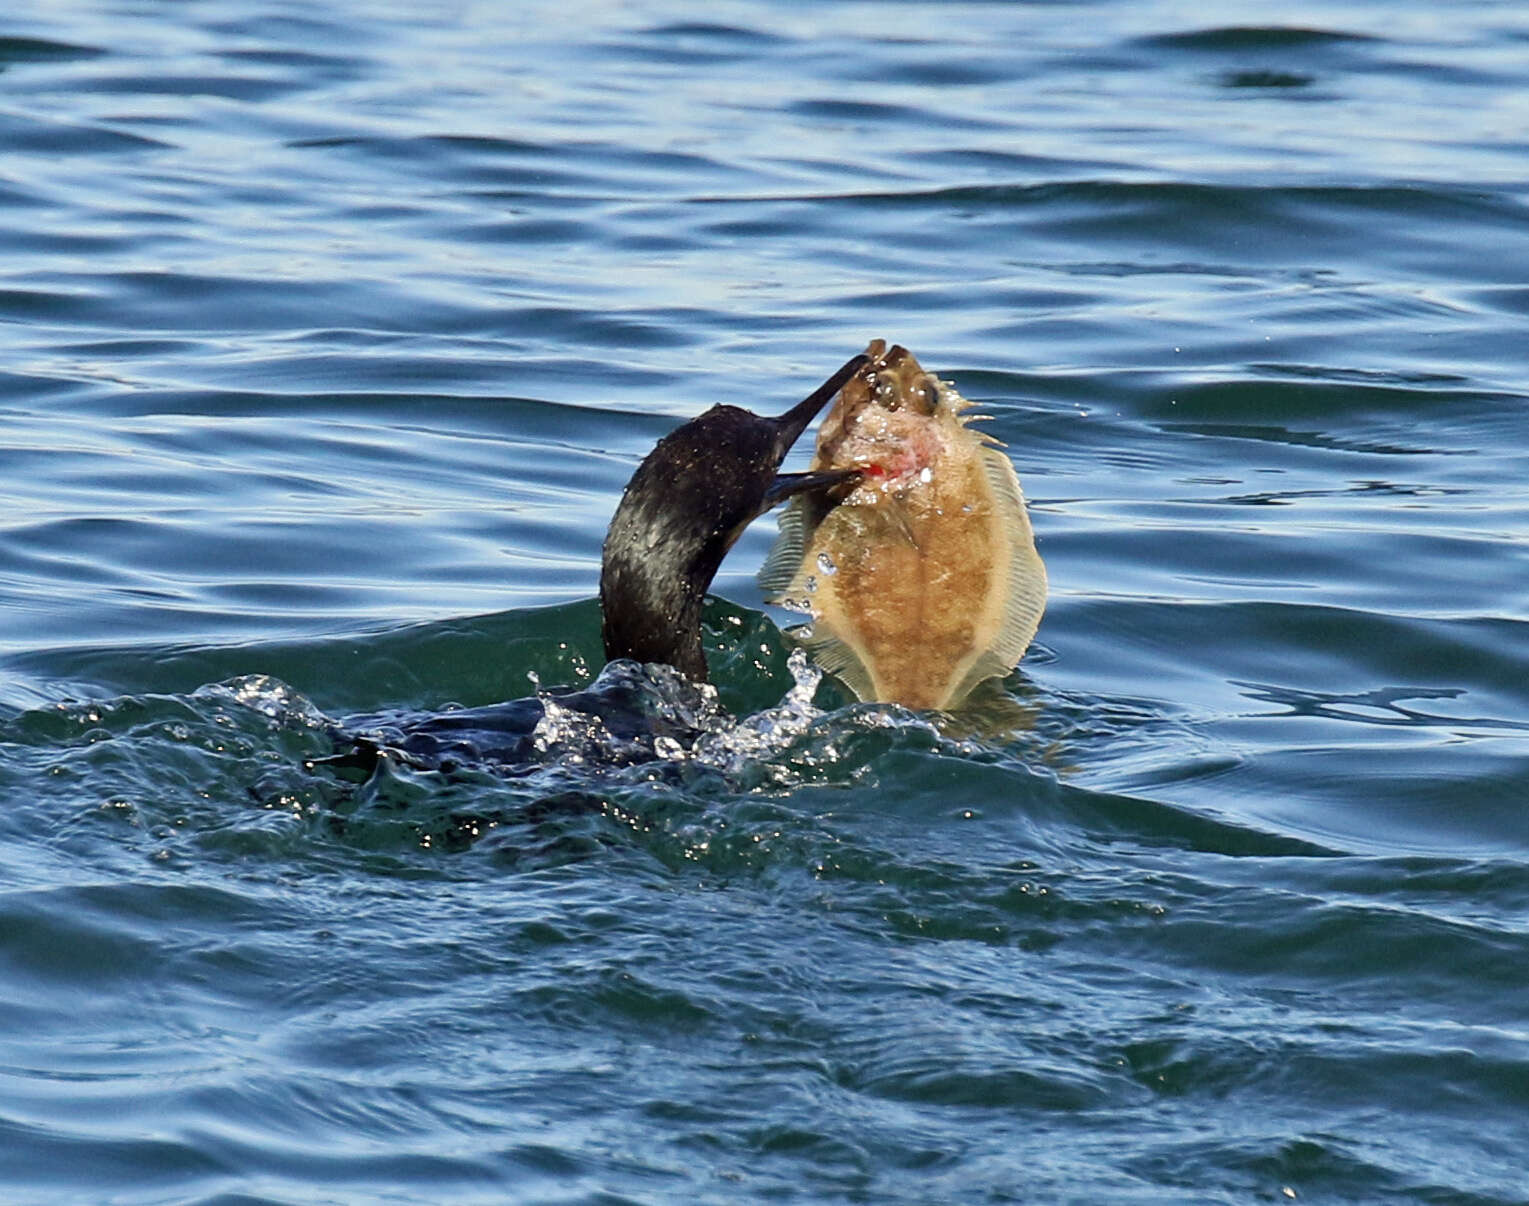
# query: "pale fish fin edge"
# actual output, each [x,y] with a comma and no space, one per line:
[1027,579]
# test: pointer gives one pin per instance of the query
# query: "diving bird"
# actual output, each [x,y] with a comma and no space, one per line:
[685,506]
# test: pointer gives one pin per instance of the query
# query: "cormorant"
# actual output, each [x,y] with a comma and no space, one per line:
[685,506]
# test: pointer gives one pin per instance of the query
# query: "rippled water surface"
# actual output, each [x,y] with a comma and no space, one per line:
[328,337]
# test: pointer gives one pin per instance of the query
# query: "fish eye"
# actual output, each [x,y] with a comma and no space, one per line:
[928,394]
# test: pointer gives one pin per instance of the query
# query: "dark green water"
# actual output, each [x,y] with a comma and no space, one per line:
[328,337]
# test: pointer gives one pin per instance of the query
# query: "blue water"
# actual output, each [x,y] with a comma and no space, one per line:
[328,337]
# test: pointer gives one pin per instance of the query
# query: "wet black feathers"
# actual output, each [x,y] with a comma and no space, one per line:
[683,509]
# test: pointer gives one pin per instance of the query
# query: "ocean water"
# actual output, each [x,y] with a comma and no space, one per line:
[329,335]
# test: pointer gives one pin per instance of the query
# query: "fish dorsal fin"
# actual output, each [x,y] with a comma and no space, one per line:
[778,575]
[1026,577]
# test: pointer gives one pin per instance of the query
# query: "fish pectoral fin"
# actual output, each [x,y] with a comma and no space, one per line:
[783,563]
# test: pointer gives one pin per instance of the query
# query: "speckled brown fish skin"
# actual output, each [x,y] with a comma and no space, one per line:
[923,579]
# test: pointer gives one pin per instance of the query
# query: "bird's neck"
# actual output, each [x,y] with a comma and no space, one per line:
[651,606]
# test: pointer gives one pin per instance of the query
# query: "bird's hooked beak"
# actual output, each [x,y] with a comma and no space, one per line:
[791,425]
[787,484]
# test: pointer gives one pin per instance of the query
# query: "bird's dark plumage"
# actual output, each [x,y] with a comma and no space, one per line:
[686,505]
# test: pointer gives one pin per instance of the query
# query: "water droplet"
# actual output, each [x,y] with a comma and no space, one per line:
[826,565]
[926,474]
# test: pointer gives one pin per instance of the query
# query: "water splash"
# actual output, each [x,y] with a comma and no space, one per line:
[673,720]
[278,702]
[765,734]
[661,716]
[571,736]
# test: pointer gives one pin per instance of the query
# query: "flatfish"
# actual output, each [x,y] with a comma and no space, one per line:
[921,578]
